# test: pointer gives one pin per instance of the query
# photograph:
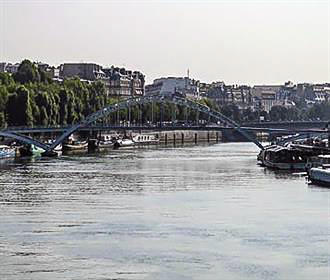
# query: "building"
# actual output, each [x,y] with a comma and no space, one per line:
[239,95]
[266,96]
[9,67]
[3,67]
[122,82]
[222,94]
[287,92]
[85,71]
[314,93]
[171,85]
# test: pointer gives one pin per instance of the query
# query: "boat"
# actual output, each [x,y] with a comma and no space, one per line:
[55,152]
[106,142]
[7,152]
[318,170]
[145,139]
[288,157]
[319,176]
[28,150]
[124,142]
[75,146]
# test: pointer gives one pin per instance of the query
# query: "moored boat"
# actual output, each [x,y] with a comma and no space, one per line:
[30,150]
[289,157]
[105,144]
[7,152]
[106,141]
[75,146]
[143,139]
[318,170]
[319,176]
[125,142]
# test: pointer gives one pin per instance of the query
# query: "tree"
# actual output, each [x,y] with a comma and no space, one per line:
[27,73]
[6,79]
[278,113]
[232,111]
[23,116]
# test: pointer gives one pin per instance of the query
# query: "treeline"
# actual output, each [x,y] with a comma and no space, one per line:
[30,98]
[314,112]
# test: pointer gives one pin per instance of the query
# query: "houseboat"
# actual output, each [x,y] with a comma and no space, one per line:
[288,157]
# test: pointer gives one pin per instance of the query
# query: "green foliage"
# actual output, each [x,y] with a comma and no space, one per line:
[232,111]
[6,79]
[27,73]
[24,115]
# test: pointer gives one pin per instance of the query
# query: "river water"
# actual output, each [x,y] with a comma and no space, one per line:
[198,212]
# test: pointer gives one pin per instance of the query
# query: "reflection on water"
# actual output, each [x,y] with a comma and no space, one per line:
[196,212]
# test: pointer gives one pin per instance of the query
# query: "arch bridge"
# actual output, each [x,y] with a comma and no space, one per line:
[171,99]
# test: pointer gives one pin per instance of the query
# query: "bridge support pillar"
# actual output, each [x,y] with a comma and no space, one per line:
[165,138]
[208,137]
[195,138]
[182,138]
[174,139]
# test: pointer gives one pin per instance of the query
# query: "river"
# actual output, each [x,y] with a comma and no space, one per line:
[193,212]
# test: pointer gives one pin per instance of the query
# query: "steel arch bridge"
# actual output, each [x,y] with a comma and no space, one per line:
[171,99]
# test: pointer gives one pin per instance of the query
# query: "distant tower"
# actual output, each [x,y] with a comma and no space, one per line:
[187,80]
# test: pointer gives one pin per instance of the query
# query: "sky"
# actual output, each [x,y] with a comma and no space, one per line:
[235,41]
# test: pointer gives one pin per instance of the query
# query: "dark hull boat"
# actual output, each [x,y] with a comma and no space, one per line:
[290,157]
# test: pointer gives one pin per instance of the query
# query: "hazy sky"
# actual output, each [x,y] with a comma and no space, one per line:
[252,42]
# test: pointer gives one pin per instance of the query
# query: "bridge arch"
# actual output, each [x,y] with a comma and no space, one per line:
[174,99]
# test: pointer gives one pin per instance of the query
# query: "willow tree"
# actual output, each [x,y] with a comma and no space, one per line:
[19,108]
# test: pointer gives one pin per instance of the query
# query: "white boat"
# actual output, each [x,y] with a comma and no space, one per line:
[125,142]
[106,141]
[318,170]
[6,152]
[145,139]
